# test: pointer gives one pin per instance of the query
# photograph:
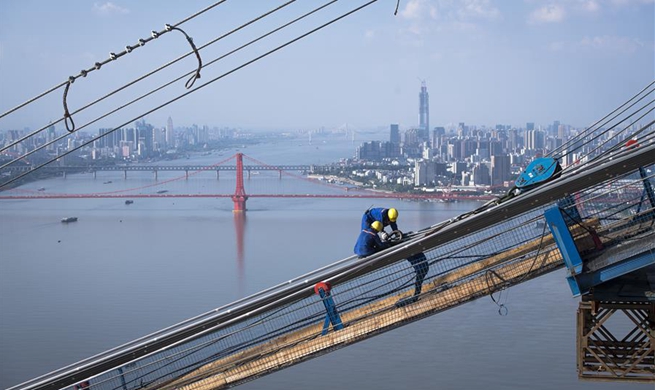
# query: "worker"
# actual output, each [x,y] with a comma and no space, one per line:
[421,267]
[387,217]
[369,241]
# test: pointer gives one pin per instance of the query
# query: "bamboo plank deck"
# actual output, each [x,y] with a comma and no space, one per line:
[466,284]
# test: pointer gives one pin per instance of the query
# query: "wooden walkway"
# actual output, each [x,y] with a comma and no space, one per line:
[464,285]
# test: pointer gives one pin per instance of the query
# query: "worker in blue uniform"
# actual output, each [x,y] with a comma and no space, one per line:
[387,217]
[369,241]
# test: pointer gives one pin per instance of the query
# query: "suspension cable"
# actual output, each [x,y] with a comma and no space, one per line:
[598,159]
[53,141]
[233,70]
[147,75]
[592,128]
[617,146]
[112,57]
[600,134]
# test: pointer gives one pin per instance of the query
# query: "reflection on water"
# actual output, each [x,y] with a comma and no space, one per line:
[239,229]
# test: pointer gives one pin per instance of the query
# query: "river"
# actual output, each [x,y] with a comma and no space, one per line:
[69,291]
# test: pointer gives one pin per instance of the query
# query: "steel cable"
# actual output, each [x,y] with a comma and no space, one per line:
[138,79]
[112,57]
[55,140]
[596,124]
[233,70]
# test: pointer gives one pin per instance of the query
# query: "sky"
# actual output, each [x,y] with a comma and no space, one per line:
[485,62]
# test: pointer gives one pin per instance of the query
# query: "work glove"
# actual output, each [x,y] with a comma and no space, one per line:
[384,236]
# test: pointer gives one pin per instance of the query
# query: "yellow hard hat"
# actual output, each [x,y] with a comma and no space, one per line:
[393,215]
[377,226]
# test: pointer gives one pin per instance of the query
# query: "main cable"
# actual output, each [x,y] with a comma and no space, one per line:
[588,155]
[55,140]
[594,126]
[233,70]
[150,74]
[112,57]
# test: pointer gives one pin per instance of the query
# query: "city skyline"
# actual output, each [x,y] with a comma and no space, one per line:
[484,63]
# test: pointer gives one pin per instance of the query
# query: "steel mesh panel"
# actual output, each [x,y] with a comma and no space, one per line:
[471,266]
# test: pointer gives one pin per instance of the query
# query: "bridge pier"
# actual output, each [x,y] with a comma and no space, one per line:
[125,174]
[155,172]
[186,171]
[217,174]
[95,174]
[239,198]
[280,173]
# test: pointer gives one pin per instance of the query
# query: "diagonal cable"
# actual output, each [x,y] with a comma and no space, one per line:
[245,64]
[55,140]
[68,82]
[112,57]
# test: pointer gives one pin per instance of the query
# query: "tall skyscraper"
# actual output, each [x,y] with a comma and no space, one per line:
[424,108]
[170,136]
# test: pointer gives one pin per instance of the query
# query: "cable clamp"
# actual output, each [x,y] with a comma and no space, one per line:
[154,34]
[128,48]
[98,65]
[112,56]
[142,41]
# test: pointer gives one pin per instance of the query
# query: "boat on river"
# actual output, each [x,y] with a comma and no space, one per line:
[69,219]
[129,201]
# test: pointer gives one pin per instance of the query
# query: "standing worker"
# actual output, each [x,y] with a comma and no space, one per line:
[387,217]
[369,241]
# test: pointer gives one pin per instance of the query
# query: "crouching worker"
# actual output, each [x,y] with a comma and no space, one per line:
[369,241]
[421,267]
[387,217]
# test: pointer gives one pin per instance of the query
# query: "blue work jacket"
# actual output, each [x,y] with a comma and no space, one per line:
[369,242]
[377,214]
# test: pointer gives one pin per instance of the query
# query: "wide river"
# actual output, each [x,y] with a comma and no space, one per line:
[69,291]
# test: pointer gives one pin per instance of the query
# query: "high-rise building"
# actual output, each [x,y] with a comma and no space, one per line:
[424,108]
[553,129]
[376,151]
[481,175]
[52,134]
[170,136]
[500,169]
[394,137]
[535,140]
[437,134]
[107,138]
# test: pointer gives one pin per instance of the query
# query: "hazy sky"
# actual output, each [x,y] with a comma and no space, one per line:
[484,61]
